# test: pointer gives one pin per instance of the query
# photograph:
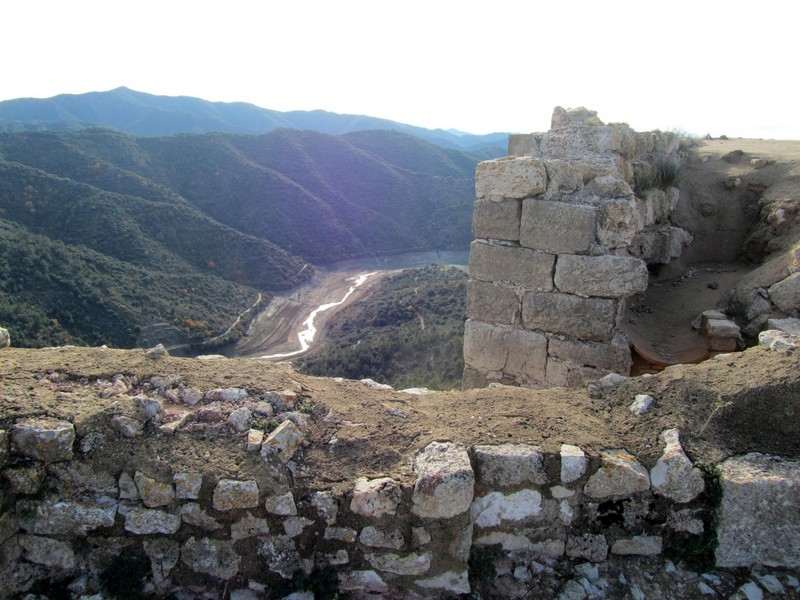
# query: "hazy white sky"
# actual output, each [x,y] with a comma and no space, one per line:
[702,66]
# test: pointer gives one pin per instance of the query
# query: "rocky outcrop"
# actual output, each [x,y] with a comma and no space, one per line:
[565,227]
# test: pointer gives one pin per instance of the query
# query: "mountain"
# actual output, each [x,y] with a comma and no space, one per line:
[143,114]
[176,236]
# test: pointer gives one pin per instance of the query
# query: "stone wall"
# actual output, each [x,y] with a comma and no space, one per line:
[505,518]
[564,228]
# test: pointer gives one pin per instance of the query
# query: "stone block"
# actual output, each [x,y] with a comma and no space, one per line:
[495,508]
[790,326]
[282,442]
[379,538]
[249,526]
[411,564]
[492,303]
[557,227]
[605,276]
[573,463]
[187,485]
[341,534]
[376,497]
[721,328]
[163,554]
[673,475]
[452,582]
[153,493]
[47,552]
[282,505]
[588,546]
[325,505]
[445,481]
[640,545]
[524,144]
[618,222]
[562,373]
[61,517]
[45,440]
[126,427]
[496,220]
[520,266]
[193,514]
[509,465]
[255,437]
[504,349]
[620,474]
[510,177]
[216,558]
[611,356]
[758,522]
[659,245]
[294,526]
[567,314]
[231,494]
[367,581]
[145,521]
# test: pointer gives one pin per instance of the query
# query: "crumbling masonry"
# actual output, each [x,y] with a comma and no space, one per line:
[564,228]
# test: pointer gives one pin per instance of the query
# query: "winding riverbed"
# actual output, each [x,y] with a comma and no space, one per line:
[292,322]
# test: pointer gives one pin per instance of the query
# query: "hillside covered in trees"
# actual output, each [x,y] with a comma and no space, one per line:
[174,237]
[409,333]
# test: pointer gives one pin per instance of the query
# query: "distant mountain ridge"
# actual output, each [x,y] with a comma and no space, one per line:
[143,114]
[178,235]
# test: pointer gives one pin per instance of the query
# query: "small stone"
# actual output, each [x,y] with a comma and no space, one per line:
[143,521]
[193,514]
[326,506]
[572,590]
[282,505]
[157,352]
[620,474]
[706,589]
[367,581]
[411,564]
[25,480]
[592,547]
[126,426]
[509,465]
[375,497]
[127,488]
[153,493]
[455,582]
[239,419]
[212,557]
[420,537]
[445,481]
[249,526]
[376,538]
[5,338]
[232,395]
[45,440]
[641,545]
[187,485]
[163,554]
[751,591]
[674,476]
[573,463]
[641,404]
[47,552]
[771,583]
[280,555]
[283,442]
[231,494]
[190,396]
[294,526]
[148,408]
[494,508]
[171,427]
[342,534]
[374,385]
[255,437]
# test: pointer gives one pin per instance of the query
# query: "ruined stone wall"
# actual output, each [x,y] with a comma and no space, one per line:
[498,517]
[564,228]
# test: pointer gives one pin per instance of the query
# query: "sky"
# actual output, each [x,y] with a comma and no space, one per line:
[700,66]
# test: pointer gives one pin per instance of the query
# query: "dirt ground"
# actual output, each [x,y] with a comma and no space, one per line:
[729,405]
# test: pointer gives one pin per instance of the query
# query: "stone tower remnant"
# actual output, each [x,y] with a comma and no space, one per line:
[564,227]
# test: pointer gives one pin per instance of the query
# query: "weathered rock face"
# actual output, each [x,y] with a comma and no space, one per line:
[562,238]
[758,522]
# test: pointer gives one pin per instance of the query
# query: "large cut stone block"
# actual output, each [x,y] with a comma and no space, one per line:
[613,356]
[758,518]
[521,266]
[661,244]
[445,481]
[584,318]
[605,276]
[510,465]
[562,373]
[46,440]
[557,227]
[494,303]
[496,220]
[505,349]
[510,177]
[619,220]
